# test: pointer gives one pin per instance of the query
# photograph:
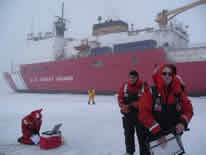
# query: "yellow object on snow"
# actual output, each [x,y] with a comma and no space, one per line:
[91,93]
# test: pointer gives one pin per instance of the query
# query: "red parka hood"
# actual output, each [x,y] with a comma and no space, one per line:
[36,114]
[160,83]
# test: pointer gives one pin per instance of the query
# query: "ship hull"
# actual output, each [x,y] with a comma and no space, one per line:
[104,73]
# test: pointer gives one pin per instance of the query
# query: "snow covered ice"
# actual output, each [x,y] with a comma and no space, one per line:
[87,129]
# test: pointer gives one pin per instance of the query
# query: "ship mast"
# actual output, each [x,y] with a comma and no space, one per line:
[60,27]
[60,24]
[166,15]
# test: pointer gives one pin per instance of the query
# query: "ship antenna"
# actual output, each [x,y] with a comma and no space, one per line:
[32,25]
[62,10]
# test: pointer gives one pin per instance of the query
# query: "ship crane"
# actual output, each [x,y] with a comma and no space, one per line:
[166,15]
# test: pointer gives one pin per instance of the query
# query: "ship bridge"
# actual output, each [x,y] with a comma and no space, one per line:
[109,26]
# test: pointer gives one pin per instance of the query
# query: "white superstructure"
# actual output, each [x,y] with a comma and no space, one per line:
[170,35]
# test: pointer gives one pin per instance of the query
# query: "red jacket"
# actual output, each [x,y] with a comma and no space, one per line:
[129,94]
[31,123]
[147,107]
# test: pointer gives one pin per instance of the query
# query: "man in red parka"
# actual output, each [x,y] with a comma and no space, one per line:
[168,109]
[31,125]
[178,77]
[128,99]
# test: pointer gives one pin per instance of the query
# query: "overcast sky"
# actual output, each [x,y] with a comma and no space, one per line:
[19,17]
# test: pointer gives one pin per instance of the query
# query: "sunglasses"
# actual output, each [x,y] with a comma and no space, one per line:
[166,73]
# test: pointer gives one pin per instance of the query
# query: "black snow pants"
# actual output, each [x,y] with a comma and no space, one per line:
[130,125]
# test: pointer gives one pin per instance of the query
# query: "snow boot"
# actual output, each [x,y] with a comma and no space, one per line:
[23,140]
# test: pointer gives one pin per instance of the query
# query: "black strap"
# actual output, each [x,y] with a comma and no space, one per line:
[155,98]
[153,90]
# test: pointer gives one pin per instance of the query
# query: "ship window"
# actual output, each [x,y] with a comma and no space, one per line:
[24,70]
[97,63]
[46,67]
[134,60]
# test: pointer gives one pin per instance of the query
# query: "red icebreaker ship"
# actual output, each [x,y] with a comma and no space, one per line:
[103,60]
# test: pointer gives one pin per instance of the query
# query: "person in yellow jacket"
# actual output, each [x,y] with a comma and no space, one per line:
[91,93]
